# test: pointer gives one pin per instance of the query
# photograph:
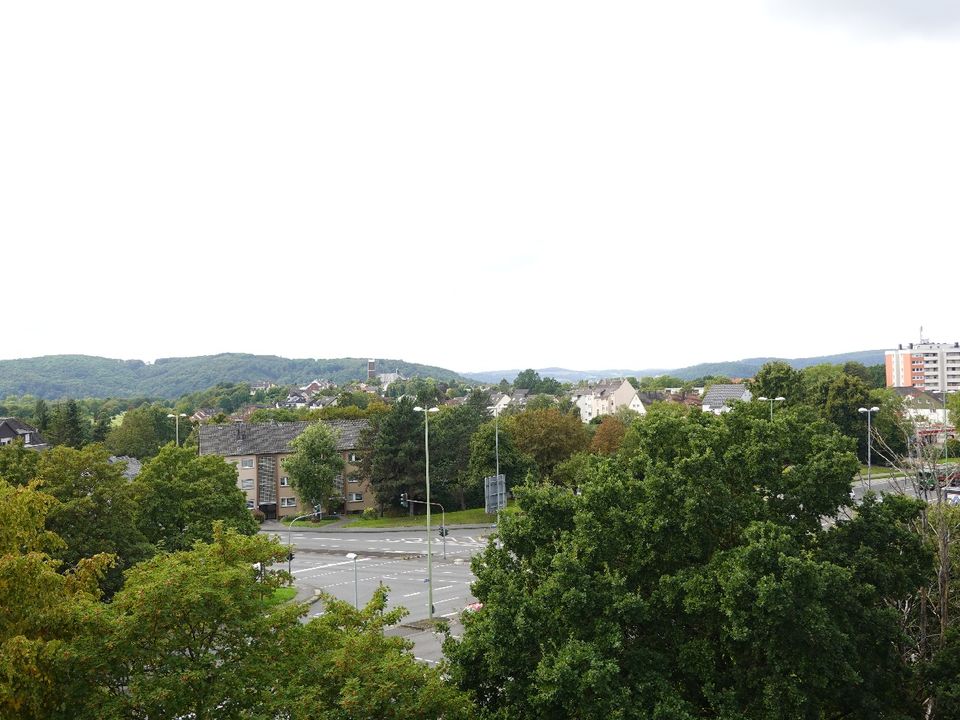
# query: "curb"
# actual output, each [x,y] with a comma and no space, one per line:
[277,527]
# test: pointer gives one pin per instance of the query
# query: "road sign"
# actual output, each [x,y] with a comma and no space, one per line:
[495,493]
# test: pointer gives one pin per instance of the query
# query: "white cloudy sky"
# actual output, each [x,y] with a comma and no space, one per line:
[479,185]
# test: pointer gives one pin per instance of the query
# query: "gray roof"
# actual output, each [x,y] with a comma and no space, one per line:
[12,427]
[719,395]
[271,438]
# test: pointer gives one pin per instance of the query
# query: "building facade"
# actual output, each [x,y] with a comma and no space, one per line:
[605,398]
[934,367]
[258,450]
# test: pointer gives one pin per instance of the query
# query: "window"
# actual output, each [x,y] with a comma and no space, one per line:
[288,502]
[247,463]
[355,497]
[352,457]
[249,504]
[246,484]
[284,482]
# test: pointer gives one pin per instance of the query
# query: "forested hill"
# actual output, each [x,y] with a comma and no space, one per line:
[57,376]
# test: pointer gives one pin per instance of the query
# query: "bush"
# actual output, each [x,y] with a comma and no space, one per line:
[953,447]
[369,513]
[258,515]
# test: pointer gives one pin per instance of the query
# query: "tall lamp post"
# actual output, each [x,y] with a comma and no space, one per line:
[426,447]
[771,401]
[177,419]
[290,537]
[869,412]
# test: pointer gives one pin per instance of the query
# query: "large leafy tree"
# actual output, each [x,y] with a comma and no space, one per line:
[180,495]
[362,673]
[142,432]
[315,464]
[450,434]
[96,512]
[190,636]
[777,379]
[483,455]
[691,578]
[18,465]
[40,610]
[548,436]
[395,463]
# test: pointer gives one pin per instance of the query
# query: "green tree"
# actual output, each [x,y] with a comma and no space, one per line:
[548,436]
[180,495]
[40,610]
[845,396]
[315,464]
[450,433]
[777,379]
[395,463]
[189,635]
[96,512]
[66,425]
[142,432]
[689,579]
[514,465]
[527,380]
[18,466]
[336,684]
[41,416]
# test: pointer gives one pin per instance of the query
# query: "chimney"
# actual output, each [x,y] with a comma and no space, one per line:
[901,346]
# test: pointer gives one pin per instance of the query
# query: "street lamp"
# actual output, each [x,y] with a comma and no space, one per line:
[177,418]
[356,583]
[426,446]
[869,412]
[290,537]
[771,401]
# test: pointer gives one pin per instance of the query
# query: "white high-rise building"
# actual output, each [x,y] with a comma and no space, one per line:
[934,367]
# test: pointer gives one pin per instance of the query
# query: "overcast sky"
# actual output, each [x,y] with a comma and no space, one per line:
[479,185]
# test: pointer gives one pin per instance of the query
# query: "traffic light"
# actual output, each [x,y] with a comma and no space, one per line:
[443,531]
[403,499]
[290,556]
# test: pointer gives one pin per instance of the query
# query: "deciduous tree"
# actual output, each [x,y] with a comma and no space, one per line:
[315,464]
[180,495]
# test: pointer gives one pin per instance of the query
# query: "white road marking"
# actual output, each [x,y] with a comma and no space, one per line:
[321,567]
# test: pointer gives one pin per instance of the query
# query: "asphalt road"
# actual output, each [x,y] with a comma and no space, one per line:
[396,560]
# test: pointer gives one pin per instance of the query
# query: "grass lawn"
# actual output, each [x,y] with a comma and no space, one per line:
[280,595]
[476,516]
[309,523]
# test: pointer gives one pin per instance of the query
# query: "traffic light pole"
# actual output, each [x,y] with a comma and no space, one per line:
[443,520]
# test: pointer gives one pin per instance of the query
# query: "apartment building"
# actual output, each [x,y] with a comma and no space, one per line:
[934,367]
[258,450]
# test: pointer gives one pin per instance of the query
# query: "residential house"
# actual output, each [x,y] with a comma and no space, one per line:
[203,415]
[318,402]
[720,398]
[606,398]
[262,385]
[925,408]
[296,399]
[258,450]
[516,399]
[12,429]
[315,386]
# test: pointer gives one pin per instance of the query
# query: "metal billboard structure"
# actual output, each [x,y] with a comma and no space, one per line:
[495,493]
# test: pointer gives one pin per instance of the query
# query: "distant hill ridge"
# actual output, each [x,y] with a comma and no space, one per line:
[734,368]
[58,376]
